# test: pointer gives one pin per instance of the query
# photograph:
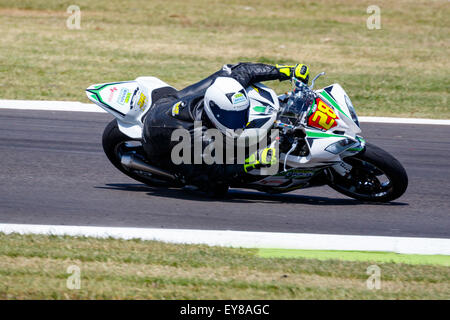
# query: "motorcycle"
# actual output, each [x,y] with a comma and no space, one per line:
[319,130]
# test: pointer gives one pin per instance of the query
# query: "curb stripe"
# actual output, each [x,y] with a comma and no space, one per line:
[405,120]
[50,106]
[89,107]
[247,239]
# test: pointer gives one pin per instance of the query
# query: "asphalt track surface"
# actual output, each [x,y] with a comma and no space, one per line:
[53,171]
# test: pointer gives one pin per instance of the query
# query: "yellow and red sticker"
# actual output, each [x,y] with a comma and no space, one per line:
[324,117]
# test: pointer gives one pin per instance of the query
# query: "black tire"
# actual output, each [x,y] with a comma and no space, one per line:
[364,183]
[115,144]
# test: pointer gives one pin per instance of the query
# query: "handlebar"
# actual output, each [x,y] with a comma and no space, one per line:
[313,81]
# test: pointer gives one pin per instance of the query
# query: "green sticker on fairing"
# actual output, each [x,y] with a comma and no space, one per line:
[315,134]
[260,109]
[312,108]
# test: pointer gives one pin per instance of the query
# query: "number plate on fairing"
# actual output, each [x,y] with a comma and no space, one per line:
[323,117]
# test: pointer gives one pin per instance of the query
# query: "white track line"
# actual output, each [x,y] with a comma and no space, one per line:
[89,107]
[405,120]
[50,106]
[247,239]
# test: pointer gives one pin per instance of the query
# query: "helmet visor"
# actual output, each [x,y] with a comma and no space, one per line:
[230,119]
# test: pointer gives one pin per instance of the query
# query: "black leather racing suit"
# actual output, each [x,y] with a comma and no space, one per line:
[159,122]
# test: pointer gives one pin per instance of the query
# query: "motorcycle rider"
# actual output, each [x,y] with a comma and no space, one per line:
[218,101]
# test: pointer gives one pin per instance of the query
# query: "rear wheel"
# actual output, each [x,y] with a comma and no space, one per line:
[115,144]
[375,176]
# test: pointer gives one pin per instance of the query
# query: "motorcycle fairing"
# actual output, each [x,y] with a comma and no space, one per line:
[336,97]
[128,101]
[109,96]
[319,140]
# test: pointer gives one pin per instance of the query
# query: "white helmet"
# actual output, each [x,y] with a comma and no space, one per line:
[227,105]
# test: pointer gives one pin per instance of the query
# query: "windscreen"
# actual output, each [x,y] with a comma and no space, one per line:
[299,102]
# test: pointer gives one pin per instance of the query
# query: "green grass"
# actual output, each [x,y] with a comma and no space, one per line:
[35,267]
[442,260]
[400,70]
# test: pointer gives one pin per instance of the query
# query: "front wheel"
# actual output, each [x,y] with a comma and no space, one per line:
[375,176]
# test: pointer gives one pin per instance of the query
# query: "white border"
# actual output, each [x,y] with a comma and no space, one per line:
[405,120]
[50,105]
[89,107]
[247,239]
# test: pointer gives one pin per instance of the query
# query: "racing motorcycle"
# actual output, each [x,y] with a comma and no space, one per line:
[320,145]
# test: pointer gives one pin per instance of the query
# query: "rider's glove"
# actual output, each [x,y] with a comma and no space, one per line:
[299,71]
[261,159]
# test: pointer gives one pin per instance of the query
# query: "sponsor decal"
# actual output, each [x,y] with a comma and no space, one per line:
[323,118]
[272,182]
[141,101]
[297,173]
[127,98]
[238,98]
[111,94]
[124,93]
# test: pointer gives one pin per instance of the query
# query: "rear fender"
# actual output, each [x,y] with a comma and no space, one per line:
[128,101]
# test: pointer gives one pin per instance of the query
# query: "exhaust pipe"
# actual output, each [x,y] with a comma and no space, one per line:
[130,161]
